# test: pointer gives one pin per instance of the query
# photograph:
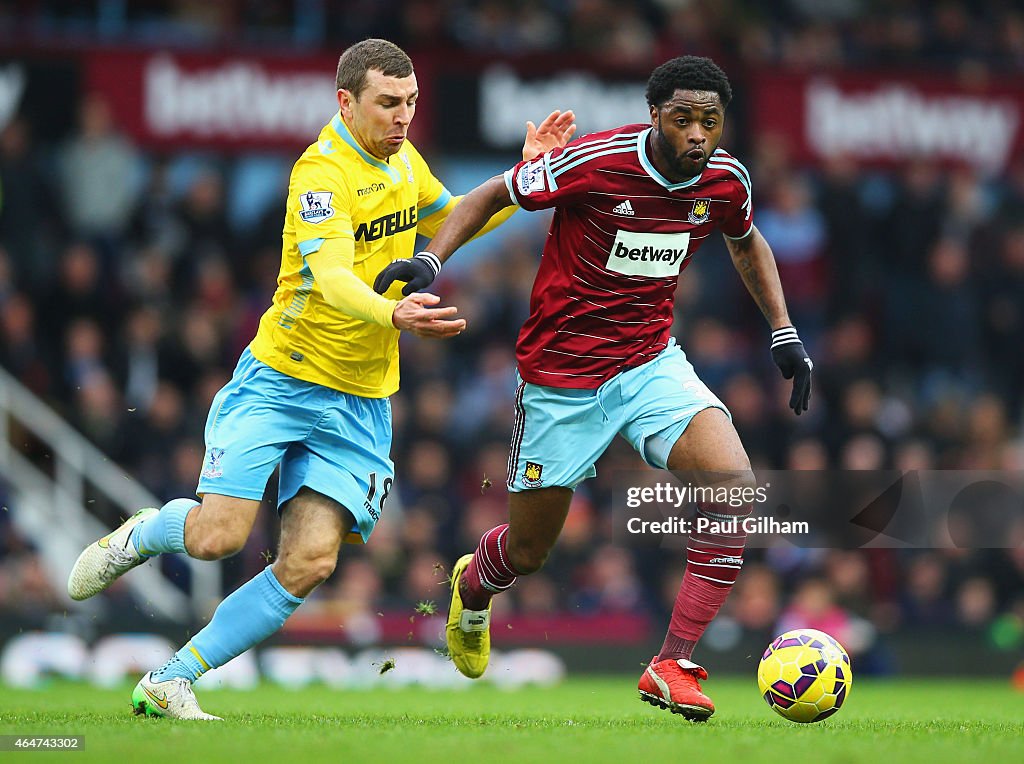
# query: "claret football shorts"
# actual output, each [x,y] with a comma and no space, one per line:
[332,442]
[559,433]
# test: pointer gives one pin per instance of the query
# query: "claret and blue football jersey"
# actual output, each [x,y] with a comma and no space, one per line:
[621,234]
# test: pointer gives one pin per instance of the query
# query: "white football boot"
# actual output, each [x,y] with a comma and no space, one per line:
[106,560]
[172,699]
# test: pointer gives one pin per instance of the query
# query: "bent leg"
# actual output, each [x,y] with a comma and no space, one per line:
[535,521]
[218,527]
[558,436]
[517,548]
[313,527]
[709,445]
[311,531]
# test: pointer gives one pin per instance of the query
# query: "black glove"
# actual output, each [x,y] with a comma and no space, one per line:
[791,358]
[418,272]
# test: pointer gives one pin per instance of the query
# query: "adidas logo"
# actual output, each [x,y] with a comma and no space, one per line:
[623,209]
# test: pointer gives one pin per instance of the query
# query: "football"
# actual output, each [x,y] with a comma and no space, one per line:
[805,675]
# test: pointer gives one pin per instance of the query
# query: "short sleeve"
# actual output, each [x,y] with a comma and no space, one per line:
[740,220]
[550,180]
[319,202]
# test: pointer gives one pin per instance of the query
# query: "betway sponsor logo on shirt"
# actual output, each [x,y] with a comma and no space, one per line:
[648,254]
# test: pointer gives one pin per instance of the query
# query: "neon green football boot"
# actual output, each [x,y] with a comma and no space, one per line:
[468,631]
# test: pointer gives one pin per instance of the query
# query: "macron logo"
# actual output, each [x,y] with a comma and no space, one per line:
[659,255]
[623,209]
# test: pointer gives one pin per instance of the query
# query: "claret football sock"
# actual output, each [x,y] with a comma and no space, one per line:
[245,618]
[713,562]
[489,572]
[164,531]
[676,647]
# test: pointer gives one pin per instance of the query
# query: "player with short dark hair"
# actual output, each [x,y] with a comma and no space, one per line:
[355,64]
[596,357]
[311,392]
[696,72]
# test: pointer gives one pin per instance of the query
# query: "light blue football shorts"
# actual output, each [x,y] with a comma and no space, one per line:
[333,442]
[560,433]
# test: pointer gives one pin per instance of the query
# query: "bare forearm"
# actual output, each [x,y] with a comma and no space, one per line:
[469,216]
[755,263]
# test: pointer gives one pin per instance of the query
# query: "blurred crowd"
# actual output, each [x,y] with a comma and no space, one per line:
[127,293]
[808,33]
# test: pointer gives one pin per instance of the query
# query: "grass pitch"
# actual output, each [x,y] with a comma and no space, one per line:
[592,719]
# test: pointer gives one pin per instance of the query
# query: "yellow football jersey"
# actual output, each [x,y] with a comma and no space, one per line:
[338,190]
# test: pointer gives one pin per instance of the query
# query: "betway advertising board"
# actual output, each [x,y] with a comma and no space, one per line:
[882,118]
[486,108]
[216,101]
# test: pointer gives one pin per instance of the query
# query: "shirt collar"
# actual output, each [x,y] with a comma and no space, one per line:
[339,126]
[648,165]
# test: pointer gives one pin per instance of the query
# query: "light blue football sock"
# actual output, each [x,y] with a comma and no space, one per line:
[245,618]
[164,532]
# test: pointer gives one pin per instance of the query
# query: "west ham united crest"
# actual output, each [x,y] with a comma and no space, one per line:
[701,211]
[532,474]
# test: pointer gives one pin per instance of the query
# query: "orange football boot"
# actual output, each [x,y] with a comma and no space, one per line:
[672,685]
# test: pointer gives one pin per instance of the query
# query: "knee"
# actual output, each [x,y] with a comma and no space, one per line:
[319,570]
[745,480]
[527,558]
[738,478]
[302,576]
[216,546]
[218,527]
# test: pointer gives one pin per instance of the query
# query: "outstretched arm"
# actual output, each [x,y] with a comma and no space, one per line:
[755,262]
[554,131]
[418,272]
[469,216]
